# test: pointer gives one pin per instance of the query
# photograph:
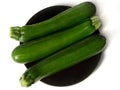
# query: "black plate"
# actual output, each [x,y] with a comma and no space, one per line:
[73,74]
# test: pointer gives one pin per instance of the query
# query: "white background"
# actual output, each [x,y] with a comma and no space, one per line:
[18,12]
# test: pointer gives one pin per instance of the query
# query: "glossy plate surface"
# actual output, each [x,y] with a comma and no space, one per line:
[74,74]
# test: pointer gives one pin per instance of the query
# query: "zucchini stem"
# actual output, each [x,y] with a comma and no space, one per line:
[96,22]
[15,32]
[26,80]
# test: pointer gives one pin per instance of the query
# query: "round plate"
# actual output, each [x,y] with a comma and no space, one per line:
[74,74]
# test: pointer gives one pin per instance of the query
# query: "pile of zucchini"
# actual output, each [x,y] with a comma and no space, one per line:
[63,41]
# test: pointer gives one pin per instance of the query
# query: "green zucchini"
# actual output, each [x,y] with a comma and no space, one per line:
[68,18]
[38,49]
[63,59]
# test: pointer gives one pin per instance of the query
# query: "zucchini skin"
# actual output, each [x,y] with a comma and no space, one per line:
[66,58]
[38,49]
[66,19]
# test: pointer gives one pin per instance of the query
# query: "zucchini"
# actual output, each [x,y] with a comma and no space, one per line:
[38,49]
[65,19]
[63,59]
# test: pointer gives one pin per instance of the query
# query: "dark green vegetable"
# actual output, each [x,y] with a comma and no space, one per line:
[68,18]
[41,48]
[65,58]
